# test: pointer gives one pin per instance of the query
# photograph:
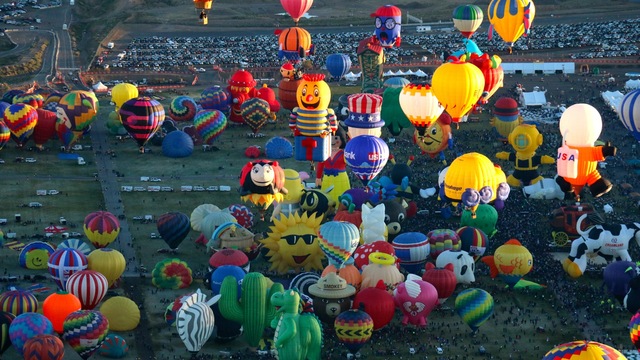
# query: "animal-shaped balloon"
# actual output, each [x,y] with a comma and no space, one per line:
[415,298]
[577,162]
[262,182]
[463,265]
[436,138]
[443,279]
[511,261]
[298,335]
[314,201]
[388,25]
[195,321]
[373,224]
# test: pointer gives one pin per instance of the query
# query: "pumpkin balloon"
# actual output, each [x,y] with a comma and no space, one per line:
[57,306]
[458,85]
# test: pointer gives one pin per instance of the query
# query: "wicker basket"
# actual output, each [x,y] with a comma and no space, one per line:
[236,237]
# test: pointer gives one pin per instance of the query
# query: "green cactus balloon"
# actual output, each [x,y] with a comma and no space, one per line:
[254,310]
[297,336]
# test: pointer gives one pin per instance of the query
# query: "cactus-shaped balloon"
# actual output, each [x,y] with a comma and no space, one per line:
[253,308]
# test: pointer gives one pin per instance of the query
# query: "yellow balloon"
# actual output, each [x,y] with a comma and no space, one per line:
[123,314]
[458,85]
[313,92]
[122,93]
[511,18]
[472,171]
[108,262]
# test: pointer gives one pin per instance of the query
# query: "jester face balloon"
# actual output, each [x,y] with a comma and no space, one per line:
[388,24]
[313,92]
[292,243]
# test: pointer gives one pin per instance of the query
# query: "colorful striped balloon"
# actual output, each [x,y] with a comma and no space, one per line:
[6,318]
[18,302]
[195,322]
[89,286]
[85,330]
[114,347]
[35,255]
[183,108]
[255,113]
[467,19]
[354,328]
[142,117]
[43,347]
[35,100]
[21,119]
[583,349]
[338,240]
[413,249]
[473,240]
[629,112]
[171,274]
[441,240]
[5,134]
[26,326]
[474,306]
[53,97]
[63,263]
[215,98]
[101,228]
[634,330]
[77,244]
[210,124]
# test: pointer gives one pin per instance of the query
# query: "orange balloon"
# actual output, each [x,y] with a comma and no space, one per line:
[58,306]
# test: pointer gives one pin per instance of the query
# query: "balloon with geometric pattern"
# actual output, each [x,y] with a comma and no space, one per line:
[182,108]
[634,330]
[114,347]
[5,134]
[474,306]
[35,100]
[21,119]
[210,123]
[354,328]
[85,330]
[76,111]
[27,325]
[255,112]
[142,117]
[43,347]
[583,349]
[101,228]
[63,263]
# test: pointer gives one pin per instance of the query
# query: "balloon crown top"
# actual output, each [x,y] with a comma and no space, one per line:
[313,77]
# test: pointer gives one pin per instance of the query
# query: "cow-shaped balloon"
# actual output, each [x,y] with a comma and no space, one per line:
[463,265]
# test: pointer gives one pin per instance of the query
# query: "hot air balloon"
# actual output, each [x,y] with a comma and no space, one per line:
[171,274]
[420,104]
[26,326]
[123,313]
[21,119]
[57,306]
[89,286]
[141,117]
[458,85]
[101,228]
[412,248]
[45,127]
[366,156]
[85,330]
[492,72]
[210,124]
[629,112]
[511,261]
[583,349]
[114,347]
[616,277]
[173,227]
[443,279]
[506,117]
[76,111]
[338,240]
[123,92]
[338,65]
[388,23]
[442,240]
[415,298]
[108,262]
[467,19]
[294,44]
[5,134]
[511,18]
[354,328]
[35,255]
[18,302]
[255,113]
[182,108]
[77,244]
[474,241]
[634,330]
[296,8]
[35,100]
[378,303]
[195,322]
[215,98]
[6,318]
[177,144]
[9,95]
[474,306]
[63,263]
[204,6]
[43,347]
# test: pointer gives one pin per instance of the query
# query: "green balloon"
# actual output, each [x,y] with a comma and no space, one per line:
[394,118]
[486,219]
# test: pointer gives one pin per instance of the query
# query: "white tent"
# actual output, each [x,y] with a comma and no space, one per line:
[351,76]
[632,84]
[533,98]
[400,73]
[409,72]
[99,87]
[612,98]
[389,73]
[420,73]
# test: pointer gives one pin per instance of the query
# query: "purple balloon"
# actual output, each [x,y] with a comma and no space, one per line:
[366,156]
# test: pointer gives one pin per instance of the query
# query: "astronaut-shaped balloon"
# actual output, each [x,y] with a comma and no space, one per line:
[388,23]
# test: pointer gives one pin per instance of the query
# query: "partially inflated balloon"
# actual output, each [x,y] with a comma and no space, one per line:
[122,93]
[142,117]
[21,119]
[583,349]
[35,100]
[45,127]
[35,255]
[101,228]
[183,108]
[474,306]
[85,330]
[171,274]
[114,347]
[76,111]
[210,124]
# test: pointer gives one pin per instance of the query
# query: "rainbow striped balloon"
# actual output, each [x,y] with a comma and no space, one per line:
[26,326]
[21,119]
[582,349]
[18,302]
[183,108]
[634,330]
[210,124]
[63,263]
[85,331]
[474,306]
[354,328]
[441,240]
[89,286]
[338,240]
[5,134]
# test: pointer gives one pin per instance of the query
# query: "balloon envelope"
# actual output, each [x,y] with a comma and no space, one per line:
[6,318]
[338,65]
[85,330]
[109,262]
[338,240]
[296,8]
[354,328]
[76,111]
[89,286]
[255,112]
[183,108]
[43,347]
[57,306]
[21,120]
[210,124]
[63,263]
[366,156]
[27,325]
[5,134]
[629,112]
[215,98]
[474,306]
[177,144]
[583,349]
[18,302]
[45,127]
[511,18]
[467,19]
[195,324]
[101,228]
[142,117]
[122,93]
[173,227]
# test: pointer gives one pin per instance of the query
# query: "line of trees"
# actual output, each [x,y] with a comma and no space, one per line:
[32,61]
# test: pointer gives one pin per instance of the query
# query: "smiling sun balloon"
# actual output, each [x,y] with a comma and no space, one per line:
[35,255]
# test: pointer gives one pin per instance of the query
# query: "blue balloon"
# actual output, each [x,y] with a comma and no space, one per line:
[470,47]
[177,144]
[338,65]
[412,248]
[222,272]
[366,156]
[629,112]
[278,148]
[616,277]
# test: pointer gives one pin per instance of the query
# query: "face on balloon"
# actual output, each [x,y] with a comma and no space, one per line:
[262,174]
[435,138]
[388,29]
[37,259]
[313,95]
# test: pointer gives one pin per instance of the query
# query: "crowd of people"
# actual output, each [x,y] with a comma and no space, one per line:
[581,40]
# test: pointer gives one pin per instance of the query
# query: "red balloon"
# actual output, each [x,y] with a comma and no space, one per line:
[45,127]
[89,286]
[378,303]
[361,255]
[296,8]
[57,306]
[443,279]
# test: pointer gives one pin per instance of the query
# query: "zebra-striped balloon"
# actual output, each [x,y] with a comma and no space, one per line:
[89,286]
[195,324]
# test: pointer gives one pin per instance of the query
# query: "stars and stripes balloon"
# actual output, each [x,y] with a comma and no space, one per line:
[142,117]
[89,286]
[63,263]
[85,330]
[354,328]
[101,228]
[21,119]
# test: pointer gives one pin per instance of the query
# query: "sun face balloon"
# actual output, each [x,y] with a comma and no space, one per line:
[388,22]
[458,85]
[511,261]
[101,228]
[292,243]
[511,18]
